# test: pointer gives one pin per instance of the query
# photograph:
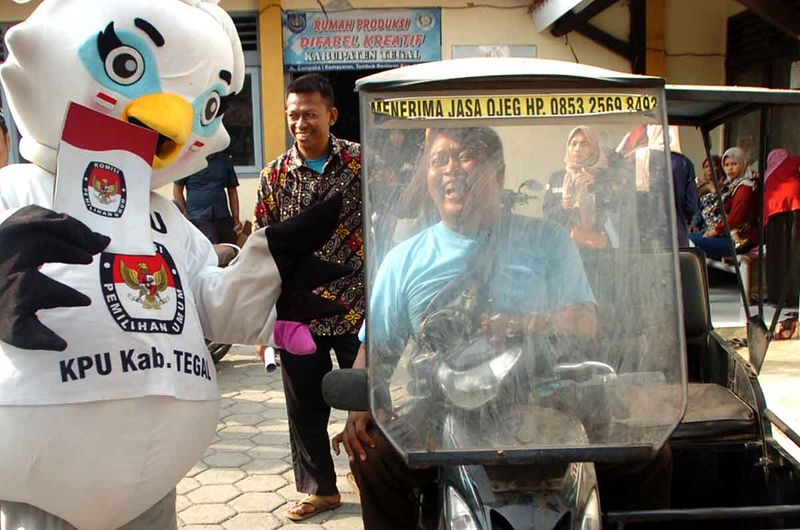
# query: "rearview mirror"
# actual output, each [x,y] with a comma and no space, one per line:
[346,389]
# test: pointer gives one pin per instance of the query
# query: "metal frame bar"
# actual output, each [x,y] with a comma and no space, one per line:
[725,114]
[520,456]
[721,205]
[702,514]
[766,113]
[783,427]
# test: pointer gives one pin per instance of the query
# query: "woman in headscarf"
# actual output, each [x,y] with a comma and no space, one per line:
[708,214]
[586,193]
[782,216]
[705,182]
[740,204]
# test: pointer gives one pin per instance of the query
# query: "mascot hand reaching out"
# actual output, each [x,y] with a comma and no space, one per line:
[108,395]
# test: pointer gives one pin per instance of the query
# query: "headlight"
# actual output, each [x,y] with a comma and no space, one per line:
[472,388]
[591,514]
[459,516]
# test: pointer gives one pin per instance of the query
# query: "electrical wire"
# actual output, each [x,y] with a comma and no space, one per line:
[568,43]
[472,5]
[689,54]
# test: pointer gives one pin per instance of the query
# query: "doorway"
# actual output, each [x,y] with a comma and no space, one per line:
[344,82]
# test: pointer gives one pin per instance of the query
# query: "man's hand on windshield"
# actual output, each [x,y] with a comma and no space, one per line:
[578,319]
[502,326]
[354,436]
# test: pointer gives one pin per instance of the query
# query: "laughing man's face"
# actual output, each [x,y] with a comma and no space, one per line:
[465,190]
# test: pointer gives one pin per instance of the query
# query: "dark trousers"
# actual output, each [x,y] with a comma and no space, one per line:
[309,414]
[217,230]
[388,487]
[715,247]
[783,238]
[638,485]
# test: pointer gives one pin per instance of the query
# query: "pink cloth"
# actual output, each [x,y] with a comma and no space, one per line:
[294,337]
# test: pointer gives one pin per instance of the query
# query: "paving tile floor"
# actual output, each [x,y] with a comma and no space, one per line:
[245,480]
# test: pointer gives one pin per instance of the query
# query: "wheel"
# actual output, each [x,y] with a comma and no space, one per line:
[218,350]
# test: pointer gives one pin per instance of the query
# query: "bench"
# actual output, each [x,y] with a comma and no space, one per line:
[749,266]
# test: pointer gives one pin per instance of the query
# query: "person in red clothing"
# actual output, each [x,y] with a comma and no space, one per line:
[740,205]
[782,217]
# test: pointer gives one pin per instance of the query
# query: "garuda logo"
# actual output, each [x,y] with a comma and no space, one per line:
[104,189]
[143,293]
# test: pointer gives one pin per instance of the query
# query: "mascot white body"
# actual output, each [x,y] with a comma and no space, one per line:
[98,433]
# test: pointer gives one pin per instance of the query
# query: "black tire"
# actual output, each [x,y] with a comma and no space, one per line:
[218,350]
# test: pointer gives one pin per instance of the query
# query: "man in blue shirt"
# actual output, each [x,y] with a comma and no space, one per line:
[533,273]
[207,205]
[536,270]
[687,204]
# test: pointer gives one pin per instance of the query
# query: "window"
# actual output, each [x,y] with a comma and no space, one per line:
[243,117]
[243,121]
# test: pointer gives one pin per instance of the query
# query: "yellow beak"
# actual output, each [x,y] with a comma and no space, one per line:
[170,116]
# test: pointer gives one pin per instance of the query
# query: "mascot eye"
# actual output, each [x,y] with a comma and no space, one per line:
[124,65]
[211,108]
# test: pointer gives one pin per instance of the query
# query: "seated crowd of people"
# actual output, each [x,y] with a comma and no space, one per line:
[737,194]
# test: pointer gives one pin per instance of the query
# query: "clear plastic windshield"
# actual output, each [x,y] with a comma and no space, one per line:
[521,273]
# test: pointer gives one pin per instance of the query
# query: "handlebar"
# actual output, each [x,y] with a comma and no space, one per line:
[585,365]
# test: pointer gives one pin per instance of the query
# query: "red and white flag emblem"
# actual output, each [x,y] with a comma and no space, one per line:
[103,177]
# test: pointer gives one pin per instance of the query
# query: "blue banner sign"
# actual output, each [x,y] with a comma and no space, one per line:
[359,39]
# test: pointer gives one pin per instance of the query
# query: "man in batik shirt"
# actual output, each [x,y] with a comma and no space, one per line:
[315,167]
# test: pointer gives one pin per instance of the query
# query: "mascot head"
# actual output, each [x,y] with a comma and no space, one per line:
[169,65]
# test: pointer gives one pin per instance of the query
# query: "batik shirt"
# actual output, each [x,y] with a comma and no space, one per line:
[287,186]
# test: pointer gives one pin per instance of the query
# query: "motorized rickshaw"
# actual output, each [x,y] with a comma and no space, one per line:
[518,423]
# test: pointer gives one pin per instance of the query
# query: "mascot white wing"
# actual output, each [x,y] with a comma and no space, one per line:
[104,417]
[169,65]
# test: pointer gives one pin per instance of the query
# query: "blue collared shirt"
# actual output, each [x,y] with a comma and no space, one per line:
[205,190]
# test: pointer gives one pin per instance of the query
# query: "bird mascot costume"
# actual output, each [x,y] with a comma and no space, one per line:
[107,392]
